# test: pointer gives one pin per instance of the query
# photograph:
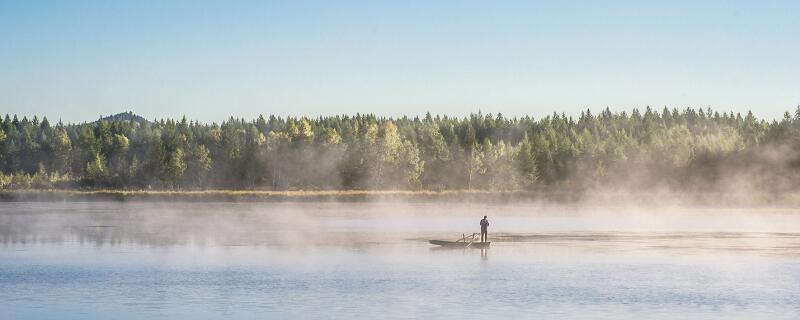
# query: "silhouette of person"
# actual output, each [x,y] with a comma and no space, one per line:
[484,228]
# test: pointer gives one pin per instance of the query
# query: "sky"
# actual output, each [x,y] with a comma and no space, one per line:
[210,60]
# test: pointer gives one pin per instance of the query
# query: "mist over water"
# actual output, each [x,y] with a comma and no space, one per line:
[184,260]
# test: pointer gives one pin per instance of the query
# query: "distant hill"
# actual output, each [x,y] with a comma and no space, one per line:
[125,116]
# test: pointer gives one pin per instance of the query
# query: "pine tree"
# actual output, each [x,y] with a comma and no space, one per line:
[526,161]
[96,170]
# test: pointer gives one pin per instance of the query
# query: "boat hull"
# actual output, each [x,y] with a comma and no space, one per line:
[461,244]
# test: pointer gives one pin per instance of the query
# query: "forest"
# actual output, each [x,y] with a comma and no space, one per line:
[689,150]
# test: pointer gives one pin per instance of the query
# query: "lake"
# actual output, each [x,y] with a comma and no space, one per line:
[364,260]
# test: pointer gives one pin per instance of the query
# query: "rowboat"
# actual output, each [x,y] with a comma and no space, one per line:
[464,242]
[445,243]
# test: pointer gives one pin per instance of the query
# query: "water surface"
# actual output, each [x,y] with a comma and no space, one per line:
[372,260]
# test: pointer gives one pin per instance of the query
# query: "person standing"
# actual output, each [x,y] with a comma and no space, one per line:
[484,228]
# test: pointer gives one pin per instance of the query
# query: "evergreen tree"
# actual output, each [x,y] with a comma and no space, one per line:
[96,171]
[527,163]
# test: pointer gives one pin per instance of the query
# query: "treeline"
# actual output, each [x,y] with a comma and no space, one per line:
[687,149]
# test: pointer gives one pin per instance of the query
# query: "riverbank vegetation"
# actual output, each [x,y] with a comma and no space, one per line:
[690,149]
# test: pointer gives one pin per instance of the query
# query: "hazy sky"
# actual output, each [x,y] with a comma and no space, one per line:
[76,60]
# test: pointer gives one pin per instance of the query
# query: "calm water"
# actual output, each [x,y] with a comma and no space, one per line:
[110,260]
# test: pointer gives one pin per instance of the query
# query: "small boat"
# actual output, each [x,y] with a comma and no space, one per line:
[445,243]
[464,242]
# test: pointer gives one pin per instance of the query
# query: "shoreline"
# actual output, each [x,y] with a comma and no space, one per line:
[265,195]
[641,198]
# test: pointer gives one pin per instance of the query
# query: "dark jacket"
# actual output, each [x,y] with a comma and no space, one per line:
[484,224]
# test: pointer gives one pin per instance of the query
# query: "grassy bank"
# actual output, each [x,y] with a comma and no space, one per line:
[262,195]
[643,198]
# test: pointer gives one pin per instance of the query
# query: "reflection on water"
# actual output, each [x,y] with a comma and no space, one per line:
[368,260]
[777,243]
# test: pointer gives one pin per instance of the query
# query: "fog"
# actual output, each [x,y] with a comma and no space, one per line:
[353,224]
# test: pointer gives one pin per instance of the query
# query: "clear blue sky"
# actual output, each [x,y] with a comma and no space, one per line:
[76,60]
